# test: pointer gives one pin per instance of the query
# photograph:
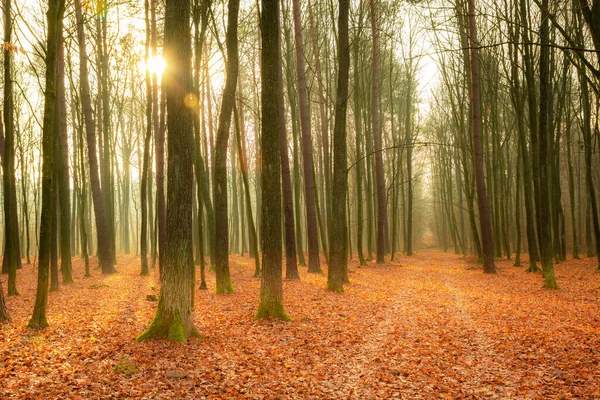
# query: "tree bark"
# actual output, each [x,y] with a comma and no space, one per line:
[291,263]
[544,114]
[221,260]
[482,200]
[12,257]
[314,264]
[338,238]
[3,312]
[146,157]
[104,250]
[55,16]
[62,166]
[271,287]
[375,121]
[173,319]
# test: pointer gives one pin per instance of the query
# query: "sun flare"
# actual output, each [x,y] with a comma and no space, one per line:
[154,65]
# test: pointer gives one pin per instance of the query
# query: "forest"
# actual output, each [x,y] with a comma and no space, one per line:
[300,199]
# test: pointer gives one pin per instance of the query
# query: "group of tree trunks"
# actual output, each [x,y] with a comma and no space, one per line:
[186,217]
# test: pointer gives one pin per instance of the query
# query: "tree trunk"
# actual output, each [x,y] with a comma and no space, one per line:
[159,134]
[104,251]
[221,260]
[62,166]
[337,242]
[3,313]
[482,200]
[376,128]
[146,158]
[544,114]
[12,257]
[294,117]
[291,264]
[271,287]
[173,319]
[314,264]
[55,16]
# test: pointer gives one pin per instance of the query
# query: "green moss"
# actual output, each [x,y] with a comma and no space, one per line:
[38,322]
[98,285]
[267,312]
[176,331]
[172,329]
[335,288]
[271,308]
[126,367]
[155,330]
[533,269]
[550,281]
[225,287]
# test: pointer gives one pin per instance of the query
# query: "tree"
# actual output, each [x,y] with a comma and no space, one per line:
[55,14]
[104,250]
[314,264]
[482,200]
[12,257]
[291,264]
[159,147]
[146,158]
[62,168]
[376,127]
[271,285]
[3,313]
[173,319]
[545,237]
[338,235]
[221,259]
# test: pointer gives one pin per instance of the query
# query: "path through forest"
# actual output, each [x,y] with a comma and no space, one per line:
[431,326]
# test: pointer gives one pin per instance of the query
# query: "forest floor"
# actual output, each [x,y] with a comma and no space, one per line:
[430,326]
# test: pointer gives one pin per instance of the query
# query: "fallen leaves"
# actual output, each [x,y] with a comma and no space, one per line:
[423,327]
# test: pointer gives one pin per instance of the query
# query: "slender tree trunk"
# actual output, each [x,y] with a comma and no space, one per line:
[159,134]
[314,264]
[482,200]
[200,18]
[544,114]
[55,214]
[3,312]
[221,259]
[55,16]
[62,166]
[244,169]
[146,157]
[12,257]
[359,158]
[375,121]
[104,250]
[337,242]
[291,263]
[294,117]
[570,171]
[409,173]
